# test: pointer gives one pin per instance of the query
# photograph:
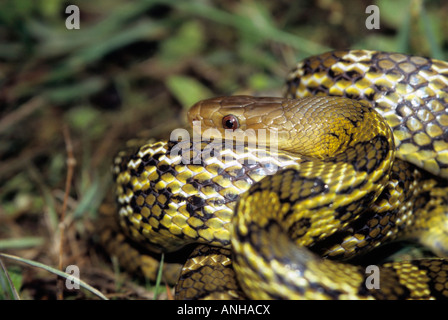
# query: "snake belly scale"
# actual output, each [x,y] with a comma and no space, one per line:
[344,179]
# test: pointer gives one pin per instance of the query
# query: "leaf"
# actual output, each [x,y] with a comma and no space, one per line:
[393,13]
[187,42]
[20,243]
[187,90]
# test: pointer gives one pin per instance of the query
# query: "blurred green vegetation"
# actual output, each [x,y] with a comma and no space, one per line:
[136,66]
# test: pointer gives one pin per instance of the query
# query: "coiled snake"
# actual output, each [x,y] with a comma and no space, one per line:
[345,178]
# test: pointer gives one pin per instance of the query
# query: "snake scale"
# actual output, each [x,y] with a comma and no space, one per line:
[360,159]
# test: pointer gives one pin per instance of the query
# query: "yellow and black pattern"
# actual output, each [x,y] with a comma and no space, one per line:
[291,272]
[208,274]
[343,194]
[409,92]
[170,204]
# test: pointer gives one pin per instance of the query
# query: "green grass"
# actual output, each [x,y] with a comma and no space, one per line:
[54,271]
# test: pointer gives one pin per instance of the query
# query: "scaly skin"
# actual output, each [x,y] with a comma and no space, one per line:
[341,190]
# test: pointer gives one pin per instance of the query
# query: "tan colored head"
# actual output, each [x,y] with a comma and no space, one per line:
[315,126]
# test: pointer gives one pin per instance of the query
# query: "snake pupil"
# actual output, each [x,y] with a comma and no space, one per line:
[230,122]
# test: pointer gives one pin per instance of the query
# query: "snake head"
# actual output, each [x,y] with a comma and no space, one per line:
[318,127]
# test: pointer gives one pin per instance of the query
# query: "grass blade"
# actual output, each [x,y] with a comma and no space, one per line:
[6,283]
[20,243]
[55,271]
[159,278]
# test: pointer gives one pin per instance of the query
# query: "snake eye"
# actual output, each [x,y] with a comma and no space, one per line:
[230,122]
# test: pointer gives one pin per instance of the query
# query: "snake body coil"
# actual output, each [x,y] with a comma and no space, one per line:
[343,184]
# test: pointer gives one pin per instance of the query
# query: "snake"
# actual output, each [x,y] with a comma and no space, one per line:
[278,195]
